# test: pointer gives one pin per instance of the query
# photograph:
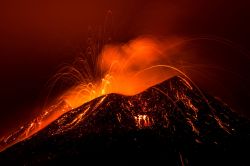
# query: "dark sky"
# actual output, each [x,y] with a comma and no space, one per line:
[36,37]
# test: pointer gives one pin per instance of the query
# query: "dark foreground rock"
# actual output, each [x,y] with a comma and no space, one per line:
[171,123]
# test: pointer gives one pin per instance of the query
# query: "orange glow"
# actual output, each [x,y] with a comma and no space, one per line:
[143,121]
[128,69]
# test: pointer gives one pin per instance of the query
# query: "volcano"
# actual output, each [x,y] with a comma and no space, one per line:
[171,123]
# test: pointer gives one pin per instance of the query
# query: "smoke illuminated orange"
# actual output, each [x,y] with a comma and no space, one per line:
[128,69]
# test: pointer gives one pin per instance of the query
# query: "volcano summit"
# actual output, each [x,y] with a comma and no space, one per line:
[171,123]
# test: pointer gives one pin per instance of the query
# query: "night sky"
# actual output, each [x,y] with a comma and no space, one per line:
[37,37]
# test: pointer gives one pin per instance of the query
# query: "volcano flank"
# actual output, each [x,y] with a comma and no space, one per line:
[171,123]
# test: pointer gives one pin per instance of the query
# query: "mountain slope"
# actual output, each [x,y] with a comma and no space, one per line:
[172,123]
